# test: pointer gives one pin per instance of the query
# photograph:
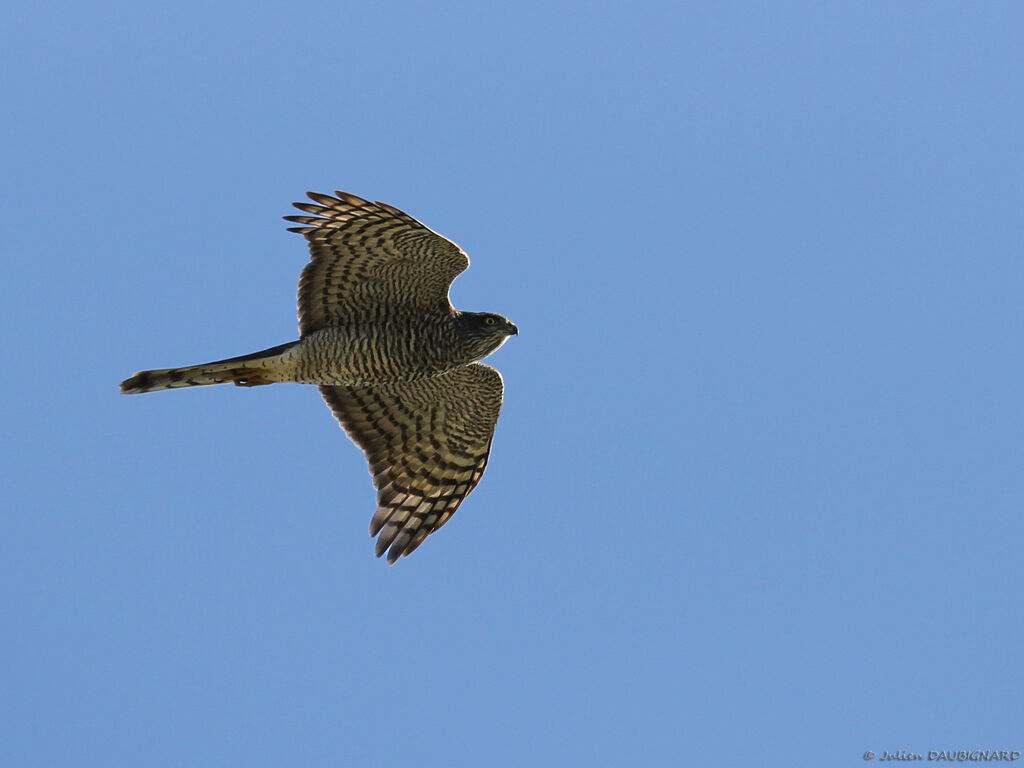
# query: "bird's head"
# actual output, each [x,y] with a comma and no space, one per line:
[487,330]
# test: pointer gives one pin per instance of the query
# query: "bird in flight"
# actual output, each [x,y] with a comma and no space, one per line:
[394,360]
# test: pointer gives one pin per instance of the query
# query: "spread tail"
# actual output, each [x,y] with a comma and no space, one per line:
[245,371]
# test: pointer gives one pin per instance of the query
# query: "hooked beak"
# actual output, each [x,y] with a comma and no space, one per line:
[515,331]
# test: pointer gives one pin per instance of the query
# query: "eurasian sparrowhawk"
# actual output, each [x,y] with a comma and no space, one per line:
[395,361]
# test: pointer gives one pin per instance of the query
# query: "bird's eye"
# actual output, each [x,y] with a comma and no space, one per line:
[490,321]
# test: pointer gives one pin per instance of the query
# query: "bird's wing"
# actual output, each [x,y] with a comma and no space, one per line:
[370,261]
[427,443]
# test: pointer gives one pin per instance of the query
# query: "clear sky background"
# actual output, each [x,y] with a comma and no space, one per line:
[755,496]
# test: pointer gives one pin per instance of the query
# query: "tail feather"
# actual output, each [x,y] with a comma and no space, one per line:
[246,371]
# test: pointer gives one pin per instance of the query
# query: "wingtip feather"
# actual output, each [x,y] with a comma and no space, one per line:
[351,199]
[398,547]
[324,200]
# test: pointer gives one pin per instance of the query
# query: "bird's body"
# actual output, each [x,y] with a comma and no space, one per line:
[359,354]
[394,360]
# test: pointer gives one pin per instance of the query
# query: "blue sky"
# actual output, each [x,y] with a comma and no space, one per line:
[755,495]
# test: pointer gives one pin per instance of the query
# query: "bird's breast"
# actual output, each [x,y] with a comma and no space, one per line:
[376,353]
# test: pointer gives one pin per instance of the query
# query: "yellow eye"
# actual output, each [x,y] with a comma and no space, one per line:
[490,321]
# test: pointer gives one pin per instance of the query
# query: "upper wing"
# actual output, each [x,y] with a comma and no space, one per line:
[369,260]
[427,443]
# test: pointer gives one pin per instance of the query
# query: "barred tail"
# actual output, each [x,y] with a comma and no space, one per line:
[245,371]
